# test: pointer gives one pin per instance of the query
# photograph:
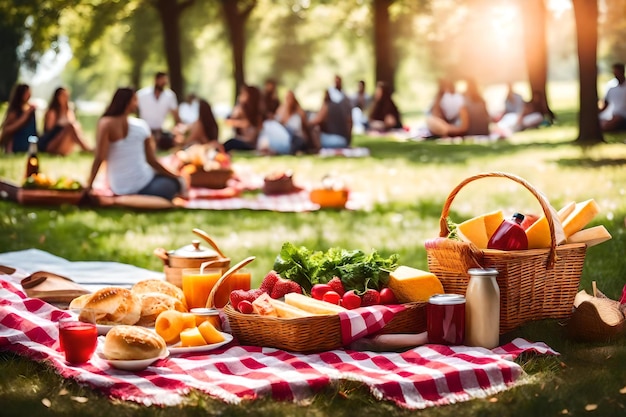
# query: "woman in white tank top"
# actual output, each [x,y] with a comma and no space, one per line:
[125,143]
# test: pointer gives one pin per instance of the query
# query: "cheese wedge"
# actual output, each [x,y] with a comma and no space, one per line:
[411,284]
[592,236]
[493,220]
[311,304]
[580,217]
[263,306]
[566,210]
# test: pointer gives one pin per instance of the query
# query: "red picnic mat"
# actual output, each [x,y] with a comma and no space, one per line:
[418,378]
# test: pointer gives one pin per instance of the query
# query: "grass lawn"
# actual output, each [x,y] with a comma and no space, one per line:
[407,184]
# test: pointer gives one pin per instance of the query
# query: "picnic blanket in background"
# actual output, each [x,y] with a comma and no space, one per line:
[418,378]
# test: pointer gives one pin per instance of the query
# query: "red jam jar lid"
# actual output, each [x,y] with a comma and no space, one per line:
[446,299]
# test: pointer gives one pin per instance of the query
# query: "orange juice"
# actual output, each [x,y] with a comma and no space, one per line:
[197,286]
[240,280]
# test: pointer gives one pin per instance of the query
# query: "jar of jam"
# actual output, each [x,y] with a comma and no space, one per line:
[445,319]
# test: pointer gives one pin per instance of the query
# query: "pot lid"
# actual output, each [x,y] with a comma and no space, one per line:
[194,251]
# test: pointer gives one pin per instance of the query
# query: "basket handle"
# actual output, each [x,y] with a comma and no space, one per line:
[204,235]
[443,224]
[223,278]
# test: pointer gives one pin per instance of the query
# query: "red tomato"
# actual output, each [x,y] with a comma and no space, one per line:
[319,290]
[351,300]
[387,296]
[331,297]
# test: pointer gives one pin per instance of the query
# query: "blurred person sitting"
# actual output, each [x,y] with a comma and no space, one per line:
[270,98]
[445,115]
[155,102]
[533,114]
[478,118]
[204,129]
[294,119]
[126,145]
[246,119]
[513,104]
[616,99]
[361,102]
[384,115]
[20,122]
[333,122]
[189,109]
[61,129]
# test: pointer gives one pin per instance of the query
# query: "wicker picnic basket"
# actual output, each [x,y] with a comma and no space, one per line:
[215,179]
[311,334]
[534,284]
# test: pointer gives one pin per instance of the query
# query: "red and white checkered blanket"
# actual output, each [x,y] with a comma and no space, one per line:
[418,378]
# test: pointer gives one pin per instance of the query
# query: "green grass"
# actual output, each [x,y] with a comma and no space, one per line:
[407,184]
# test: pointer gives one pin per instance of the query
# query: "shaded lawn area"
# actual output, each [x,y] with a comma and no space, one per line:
[407,184]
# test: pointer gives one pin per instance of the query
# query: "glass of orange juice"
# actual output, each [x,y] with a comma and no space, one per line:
[240,280]
[197,285]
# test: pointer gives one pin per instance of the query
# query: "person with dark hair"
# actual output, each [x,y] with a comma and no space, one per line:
[384,115]
[204,129]
[61,130]
[293,117]
[127,147]
[334,120]
[270,98]
[19,122]
[155,102]
[616,99]
[246,119]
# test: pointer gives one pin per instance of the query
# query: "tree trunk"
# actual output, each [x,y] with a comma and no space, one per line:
[535,47]
[236,25]
[586,15]
[384,56]
[169,13]
[9,70]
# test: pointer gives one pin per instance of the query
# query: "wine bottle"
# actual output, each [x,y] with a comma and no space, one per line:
[32,162]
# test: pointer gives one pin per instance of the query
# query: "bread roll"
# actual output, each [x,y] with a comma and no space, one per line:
[154,303]
[132,343]
[155,285]
[80,301]
[114,305]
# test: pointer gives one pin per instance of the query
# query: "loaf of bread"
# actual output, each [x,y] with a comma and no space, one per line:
[154,303]
[113,305]
[163,287]
[132,343]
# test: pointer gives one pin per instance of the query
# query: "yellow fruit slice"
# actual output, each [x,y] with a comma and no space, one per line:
[492,222]
[210,334]
[192,337]
[169,324]
[474,231]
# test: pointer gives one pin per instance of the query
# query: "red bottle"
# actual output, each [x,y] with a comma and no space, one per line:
[509,235]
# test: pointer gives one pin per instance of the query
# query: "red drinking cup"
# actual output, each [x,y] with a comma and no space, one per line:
[445,319]
[78,339]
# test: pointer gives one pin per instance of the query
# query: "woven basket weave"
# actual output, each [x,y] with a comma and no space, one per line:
[534,284]
[311,334]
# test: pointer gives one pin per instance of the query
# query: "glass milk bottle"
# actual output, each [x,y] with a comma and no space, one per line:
[482,309]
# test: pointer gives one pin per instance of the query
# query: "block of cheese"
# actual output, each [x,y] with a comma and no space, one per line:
[580,217]
[538,233]
[592,236]
[493,220]
[566,210]
[411,284]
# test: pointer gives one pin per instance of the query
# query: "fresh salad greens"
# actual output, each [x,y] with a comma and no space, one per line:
[452,227]
[357,270]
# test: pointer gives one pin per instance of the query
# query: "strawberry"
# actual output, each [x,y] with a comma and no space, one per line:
[254,294]
[269,281]
[370,297]
[284,286]
[337,286]
[237,296]
[350,300]
[245,307]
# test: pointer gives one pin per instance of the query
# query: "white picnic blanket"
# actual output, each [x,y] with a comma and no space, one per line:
[91,274]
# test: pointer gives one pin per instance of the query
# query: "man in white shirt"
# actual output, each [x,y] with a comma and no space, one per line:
[155,103]
[616,98]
